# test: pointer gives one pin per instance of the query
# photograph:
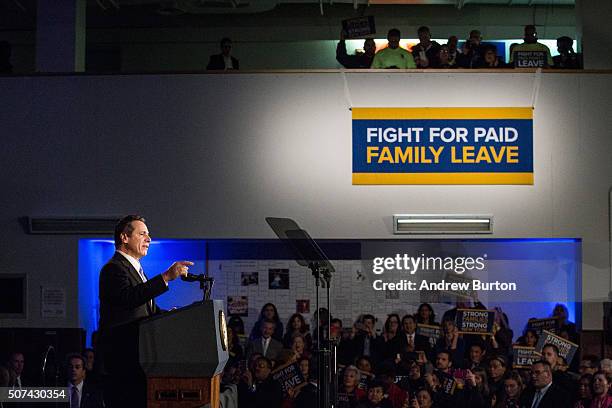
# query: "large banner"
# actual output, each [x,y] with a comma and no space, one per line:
[442,146]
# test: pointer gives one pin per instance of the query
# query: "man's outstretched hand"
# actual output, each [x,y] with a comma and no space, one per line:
[179,268]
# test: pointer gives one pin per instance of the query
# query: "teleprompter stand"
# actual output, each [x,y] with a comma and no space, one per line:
[308,253]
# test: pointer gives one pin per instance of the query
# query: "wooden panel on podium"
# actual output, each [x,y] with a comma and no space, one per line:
[183,392]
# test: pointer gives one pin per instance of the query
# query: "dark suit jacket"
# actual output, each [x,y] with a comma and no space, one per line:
[124,298]
[92,397]
[400,343]
[555,397]
[273,352]
[217,62]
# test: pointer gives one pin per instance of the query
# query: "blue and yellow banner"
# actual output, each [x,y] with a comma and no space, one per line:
[442,146]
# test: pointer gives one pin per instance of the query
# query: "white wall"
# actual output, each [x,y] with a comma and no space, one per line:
[212,155]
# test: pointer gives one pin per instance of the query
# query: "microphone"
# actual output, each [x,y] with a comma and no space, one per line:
[190,277]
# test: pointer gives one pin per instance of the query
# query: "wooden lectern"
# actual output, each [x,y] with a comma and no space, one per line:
[183,353]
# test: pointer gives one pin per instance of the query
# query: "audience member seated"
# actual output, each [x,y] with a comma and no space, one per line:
[413,378]
[359,60]
[386,374]
[442,60]
[513,388]
[364,341]
[297,324]
[268,312]
[236,323]
[471,54]
[423,399]
[259,389]
[605,365]
[451,342]
[407,341]
[349,392]
[364,364]
[567,58]
[393,56]
[376,397]
[426,51]
[544,393]
[224,60]
[550,354]
[497,373]
[384,340]
[16,364]
[528,339]
[425,313]
[589,364]
[584,391]
[298,347]
[453,51]
[81,393]
[472,394]
[490,59]
[265,344]
[476,356]
[560,311]
[531,53]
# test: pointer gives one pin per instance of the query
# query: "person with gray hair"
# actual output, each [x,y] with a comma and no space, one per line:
[605,365]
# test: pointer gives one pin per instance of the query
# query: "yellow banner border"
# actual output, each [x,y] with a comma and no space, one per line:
[442,113]
[442,178]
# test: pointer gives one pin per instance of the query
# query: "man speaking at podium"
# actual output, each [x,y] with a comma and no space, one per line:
[126,296]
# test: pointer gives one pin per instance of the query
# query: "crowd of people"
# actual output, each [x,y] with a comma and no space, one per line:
[393,367]
[400,368]
[473,53]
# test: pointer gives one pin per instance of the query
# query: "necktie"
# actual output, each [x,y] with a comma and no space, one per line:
[144,279]
[536,399]
[265,346]
[74,398]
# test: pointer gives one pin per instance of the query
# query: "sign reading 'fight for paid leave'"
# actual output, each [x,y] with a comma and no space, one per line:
[442,146]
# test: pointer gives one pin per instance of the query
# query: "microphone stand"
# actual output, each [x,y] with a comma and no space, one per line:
[206,283]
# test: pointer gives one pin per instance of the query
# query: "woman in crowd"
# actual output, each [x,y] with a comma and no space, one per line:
[600,386]
[390,330]
[349,392]
[513,388]
[268,312]
[297,324]
[426,315]
[236,323]
[584,391]
[298,347]
[529,338]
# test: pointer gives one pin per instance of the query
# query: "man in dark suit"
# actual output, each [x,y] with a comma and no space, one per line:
[544,393]
[80,393]
[407,341]
[126,296]
[265,344]
[225,60]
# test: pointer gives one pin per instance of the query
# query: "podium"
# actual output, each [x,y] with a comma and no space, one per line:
[183,353]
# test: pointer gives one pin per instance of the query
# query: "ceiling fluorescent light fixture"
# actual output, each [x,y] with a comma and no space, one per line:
[442,224]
